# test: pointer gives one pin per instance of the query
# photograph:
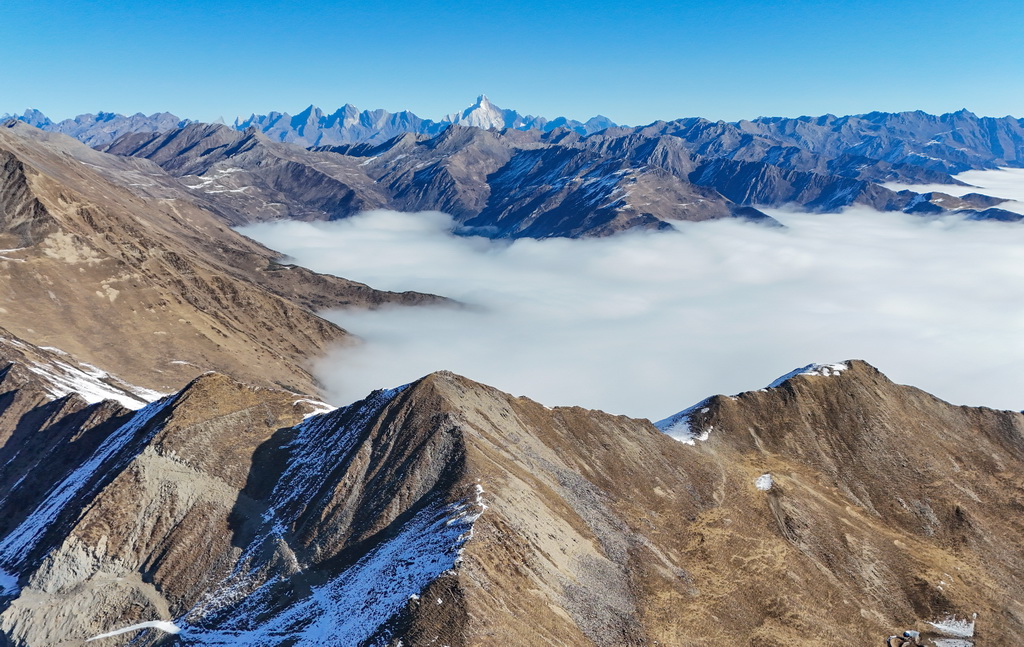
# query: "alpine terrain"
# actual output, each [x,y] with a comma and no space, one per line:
[833,507]
[169,473]
[502,174]
[114,261]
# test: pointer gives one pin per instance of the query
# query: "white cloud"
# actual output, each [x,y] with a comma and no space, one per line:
[1004,183]
[646,324]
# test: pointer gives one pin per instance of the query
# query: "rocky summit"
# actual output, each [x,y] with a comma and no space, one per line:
[832,507]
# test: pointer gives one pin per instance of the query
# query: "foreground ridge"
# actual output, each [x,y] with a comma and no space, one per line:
[832,505]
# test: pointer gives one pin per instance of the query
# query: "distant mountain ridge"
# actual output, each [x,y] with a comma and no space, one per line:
[502,174]
[511,183]
[314,127]
[103,127]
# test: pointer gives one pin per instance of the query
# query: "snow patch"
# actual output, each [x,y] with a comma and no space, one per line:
[352,606]
[62,377]
[162,625]
[679,425]
[18,543]
[956,628]
[8,584]
[764,482]
[825,370]
[318,407]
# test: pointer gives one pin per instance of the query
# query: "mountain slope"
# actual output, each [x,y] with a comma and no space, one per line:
[834,506]
[501,184]
[112,260]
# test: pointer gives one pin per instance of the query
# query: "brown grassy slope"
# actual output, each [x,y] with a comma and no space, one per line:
[113,261]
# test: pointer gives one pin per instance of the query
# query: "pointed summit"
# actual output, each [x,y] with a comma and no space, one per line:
[484,114]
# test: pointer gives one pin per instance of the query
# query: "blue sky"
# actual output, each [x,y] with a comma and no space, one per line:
[633,62]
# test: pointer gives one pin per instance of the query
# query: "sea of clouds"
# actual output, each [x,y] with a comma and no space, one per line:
[646,324]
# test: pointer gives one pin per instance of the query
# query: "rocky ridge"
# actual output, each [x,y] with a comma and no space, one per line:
[314,127]
[529,183]
[505,175]
[831,507]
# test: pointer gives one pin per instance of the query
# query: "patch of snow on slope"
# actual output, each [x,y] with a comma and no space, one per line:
[62,377]
[162,625]
[764,482]
[352,606]
[953,627]
[317,406]
[678,425]
[20,541]
[8,584]
[825,370]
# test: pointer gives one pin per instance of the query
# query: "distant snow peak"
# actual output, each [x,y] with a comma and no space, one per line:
[825,370]
[484,114]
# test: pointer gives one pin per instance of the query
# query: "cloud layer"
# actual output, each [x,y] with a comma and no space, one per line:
[1004,183]
[646,324]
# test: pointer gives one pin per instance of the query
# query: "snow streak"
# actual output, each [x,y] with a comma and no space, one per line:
[351,607]
[15,547]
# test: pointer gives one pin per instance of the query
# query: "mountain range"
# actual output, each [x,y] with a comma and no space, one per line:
[314,127]
[504,175]
[832,507]
[169,473]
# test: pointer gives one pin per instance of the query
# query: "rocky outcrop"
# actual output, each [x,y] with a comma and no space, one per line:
[832,507]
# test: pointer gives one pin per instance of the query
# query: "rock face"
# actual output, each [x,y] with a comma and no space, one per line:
[833,507]
[108,258]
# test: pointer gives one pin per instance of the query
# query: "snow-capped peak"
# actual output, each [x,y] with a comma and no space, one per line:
[825,370]
[484,114]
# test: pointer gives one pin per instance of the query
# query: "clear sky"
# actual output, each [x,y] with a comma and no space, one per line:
[634,62]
